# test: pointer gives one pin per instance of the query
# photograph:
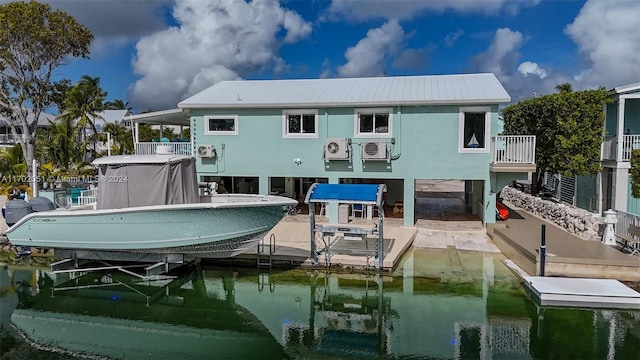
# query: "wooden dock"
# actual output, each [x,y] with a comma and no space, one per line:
[568,255]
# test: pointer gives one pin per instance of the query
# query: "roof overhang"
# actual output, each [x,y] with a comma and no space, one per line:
[187,106]
[164,117]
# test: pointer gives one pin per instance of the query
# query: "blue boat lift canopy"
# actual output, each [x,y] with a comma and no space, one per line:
[362,194]
[366,194]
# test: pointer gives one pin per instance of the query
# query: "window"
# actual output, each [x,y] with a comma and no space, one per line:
[300,123]
[373,122]
[221,125]
[474,129]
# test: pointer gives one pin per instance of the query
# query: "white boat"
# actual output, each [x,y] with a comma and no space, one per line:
[151,204]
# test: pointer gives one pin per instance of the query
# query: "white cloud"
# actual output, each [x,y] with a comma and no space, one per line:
[367,58]
[529,67]
[214,41]
[451,38]
[608,37]
[359,10]
[501,56]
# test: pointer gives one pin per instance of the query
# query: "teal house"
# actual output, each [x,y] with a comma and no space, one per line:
[622,135]
[281,136]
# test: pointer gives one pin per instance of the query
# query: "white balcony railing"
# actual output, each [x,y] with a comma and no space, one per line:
[513,149]
[610,147]
[148,148]
[88,197]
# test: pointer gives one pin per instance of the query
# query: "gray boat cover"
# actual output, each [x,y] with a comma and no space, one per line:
[131,184]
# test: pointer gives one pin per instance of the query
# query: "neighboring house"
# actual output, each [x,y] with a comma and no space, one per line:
[7,139]
[281,136]
[118,117]
[622,135]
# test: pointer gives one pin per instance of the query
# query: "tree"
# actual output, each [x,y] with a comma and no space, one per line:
[564,87]
[117,104]
[568,129]
[34,41]
[83,103]
[121,139]
[58,144]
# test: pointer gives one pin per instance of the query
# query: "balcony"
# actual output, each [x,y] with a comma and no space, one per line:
[610,147]
[178,147]
[513,153]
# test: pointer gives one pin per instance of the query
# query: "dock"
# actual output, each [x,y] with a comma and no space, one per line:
[292,246]
[568,255]
[581,292]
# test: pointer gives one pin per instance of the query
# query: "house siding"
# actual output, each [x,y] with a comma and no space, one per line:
[426,143]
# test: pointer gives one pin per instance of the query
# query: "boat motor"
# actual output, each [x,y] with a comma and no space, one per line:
[16,209]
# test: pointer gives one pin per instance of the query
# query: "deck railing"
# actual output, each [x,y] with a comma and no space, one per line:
[624,219]
[514,149]
[148,148]
[610,147]
[88,197]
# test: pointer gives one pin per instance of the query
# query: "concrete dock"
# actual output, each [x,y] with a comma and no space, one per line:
[292,245]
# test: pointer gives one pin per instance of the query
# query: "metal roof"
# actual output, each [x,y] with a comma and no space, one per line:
[165,117]
[626,89]
[43,120]
[335,92]
[110,116]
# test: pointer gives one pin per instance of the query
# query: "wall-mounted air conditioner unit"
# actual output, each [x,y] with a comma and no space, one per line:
[374,150]
[336,149]
[206,151]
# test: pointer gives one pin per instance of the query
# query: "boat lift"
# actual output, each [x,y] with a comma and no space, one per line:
[362,194]
[154,265]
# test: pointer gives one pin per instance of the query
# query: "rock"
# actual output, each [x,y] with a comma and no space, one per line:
[575,220]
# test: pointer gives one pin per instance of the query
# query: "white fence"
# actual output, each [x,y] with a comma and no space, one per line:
[514,149]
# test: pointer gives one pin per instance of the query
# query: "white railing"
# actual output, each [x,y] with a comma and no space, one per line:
[629,143]
[8,139]
[519,149]
[621,228]
[610,147]
[88,197]
[148,148]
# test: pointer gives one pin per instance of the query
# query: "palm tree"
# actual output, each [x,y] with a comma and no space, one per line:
[564,88]
[123,141]
[84,102]
[117,104]
[58,144]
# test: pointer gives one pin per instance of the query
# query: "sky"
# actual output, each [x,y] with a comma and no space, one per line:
[155,53]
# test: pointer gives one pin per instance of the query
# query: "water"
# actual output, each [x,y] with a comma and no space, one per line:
[440,304]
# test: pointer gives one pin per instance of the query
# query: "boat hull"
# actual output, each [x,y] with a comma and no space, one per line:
[203,230]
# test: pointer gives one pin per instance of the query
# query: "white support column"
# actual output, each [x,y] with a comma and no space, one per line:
[620,129]
[620,188]
[621,174]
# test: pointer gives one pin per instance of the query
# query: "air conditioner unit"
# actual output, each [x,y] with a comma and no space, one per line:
[336,149]
[374,150]
[206,151]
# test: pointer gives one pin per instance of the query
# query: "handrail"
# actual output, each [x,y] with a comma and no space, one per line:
[514,149]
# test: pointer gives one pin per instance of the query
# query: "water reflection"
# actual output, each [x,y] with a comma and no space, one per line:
[440,304]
